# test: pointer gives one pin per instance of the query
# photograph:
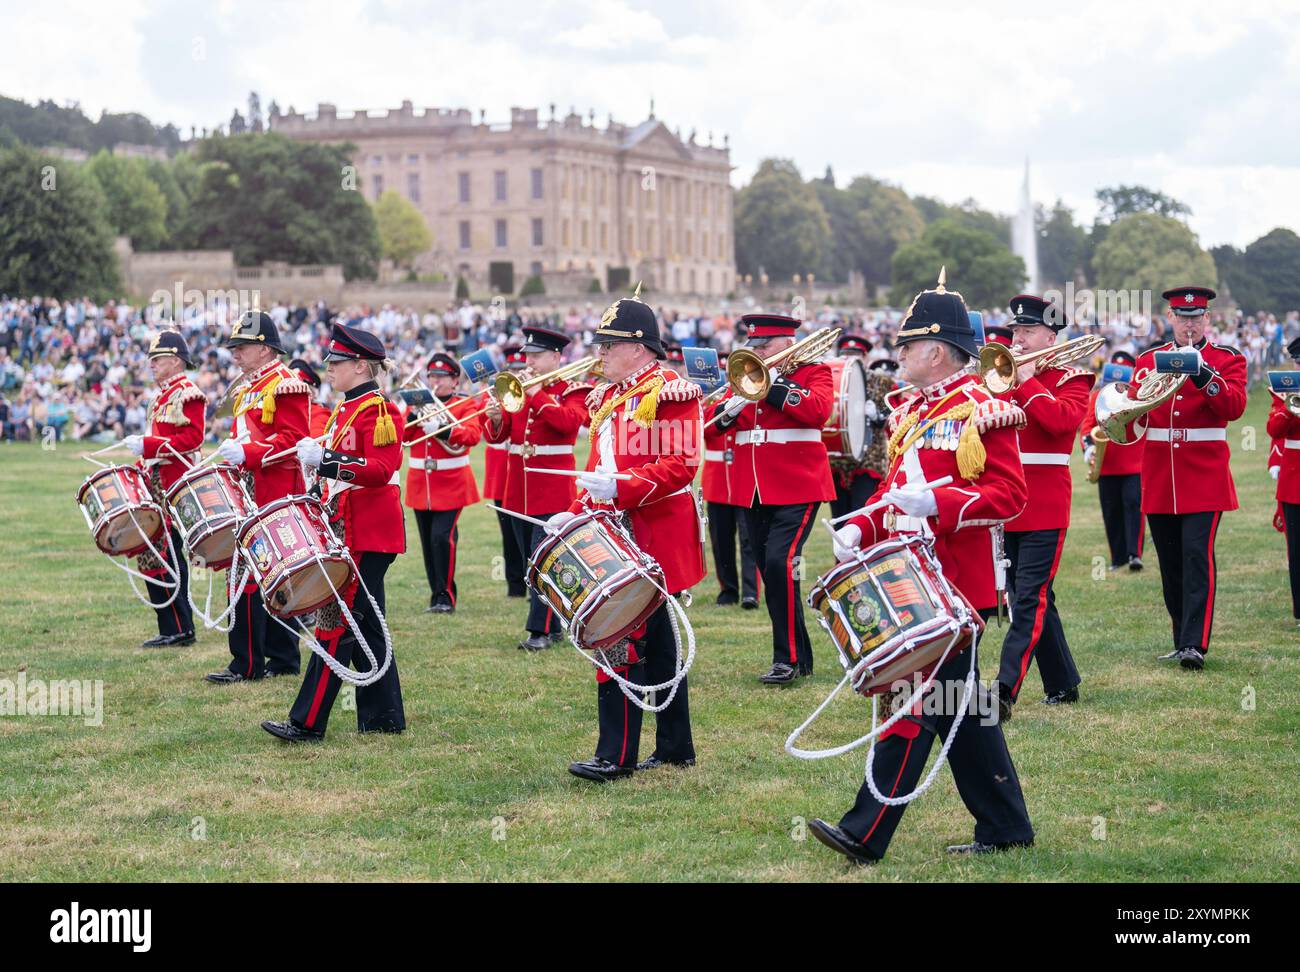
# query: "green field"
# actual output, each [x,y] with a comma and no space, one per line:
[1157,775]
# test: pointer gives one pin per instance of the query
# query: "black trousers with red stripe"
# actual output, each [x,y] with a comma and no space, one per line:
[512,556]
[379,706]
[439,533]
[1291,517]
[541,619]
[176,618]
[620,719]
[777,534]
[725,521]
[258,643]
[1121,512]
[1185,545]
[1035,630]
[981,767]
[861,488]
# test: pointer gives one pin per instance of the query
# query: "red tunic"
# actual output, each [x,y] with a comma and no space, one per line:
[363,479]
[494,469]
[438,476]
[1118,459]
[318,418]
[1054,402]
[1285,430]
[724,480]
[662,460]
[272,410]
[1185,461]
[541,434]
[176,419]
[967,508]
[781,447]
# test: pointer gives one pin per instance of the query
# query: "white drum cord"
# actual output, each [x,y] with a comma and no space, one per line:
[169,562]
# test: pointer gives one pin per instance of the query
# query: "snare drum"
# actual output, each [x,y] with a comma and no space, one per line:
[294,556]
[891,613]
[595,577]
[207,504]
[120,510]
[846,434]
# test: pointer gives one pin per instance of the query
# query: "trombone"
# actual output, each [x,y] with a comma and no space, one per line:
[999,366]
[1117,410]
[749,376]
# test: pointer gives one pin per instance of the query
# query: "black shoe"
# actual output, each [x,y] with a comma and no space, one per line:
[535,642]
[556,637]
[781,674]
[278,672]
[182,639]
[1064,697]
[517,592]
[290,733]
[158,641]
[976,847]
[1004,702]
[1174,655]
[599,770]
[442,607]
[431,610]
[1192,658]
[837,840]
[1135,563]
[227,677]
[726,599]
[654,762]
[749,604]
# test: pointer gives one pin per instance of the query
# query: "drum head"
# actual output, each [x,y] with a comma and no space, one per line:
[853,405]
[122,535]
[621,611]
[306,589]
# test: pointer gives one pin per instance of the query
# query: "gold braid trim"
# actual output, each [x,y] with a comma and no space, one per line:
[971,454]
[645,410]
[385,431]
[268,400]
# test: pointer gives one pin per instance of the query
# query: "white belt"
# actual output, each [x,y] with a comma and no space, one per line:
[759,436]
[541,450]
[436,465]
[1293,443]
[720,455]
[910,524]
[498,445]
[1187,435]
[1044,458]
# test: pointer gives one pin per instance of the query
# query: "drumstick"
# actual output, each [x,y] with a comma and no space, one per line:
[518,516]
[108,448]
[576,473]
[277,456]
[172,448]
[242,440]
[880,504]
[710,422]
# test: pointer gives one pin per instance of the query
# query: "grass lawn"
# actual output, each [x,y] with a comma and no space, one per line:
[1157,775]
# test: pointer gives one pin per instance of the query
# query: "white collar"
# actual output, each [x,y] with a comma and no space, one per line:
[944,385]
[636,376]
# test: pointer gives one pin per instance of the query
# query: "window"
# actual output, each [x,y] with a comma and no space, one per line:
[463,181]
[501,234]
[413,186]
[537,232]
[722,251]
[690,244]
[564,233]
[602,188]
[585,244]
[464,234]
[604,236]
[537,183]
[535,268]
[412,160]
[377,181]
[704,246]
[499,185]
[376,160]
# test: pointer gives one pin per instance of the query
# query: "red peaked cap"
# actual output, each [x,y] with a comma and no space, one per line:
[770,325]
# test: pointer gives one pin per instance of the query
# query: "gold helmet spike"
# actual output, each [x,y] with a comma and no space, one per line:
[943,279]
[636,294]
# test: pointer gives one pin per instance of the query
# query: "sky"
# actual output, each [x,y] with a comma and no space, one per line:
[1196,99]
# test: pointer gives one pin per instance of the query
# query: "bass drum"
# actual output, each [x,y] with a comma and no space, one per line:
[846,433]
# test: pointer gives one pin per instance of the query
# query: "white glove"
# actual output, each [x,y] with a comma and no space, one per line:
[431,427]
[310,452]
[872,412]
[1088,454]
[920,504]
[846,542]
[556,523]
[600,487]
[232,452]
[1274,470]
[735,405]
[134,444]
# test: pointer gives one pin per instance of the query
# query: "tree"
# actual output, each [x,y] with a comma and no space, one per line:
[136,206]
[1151,253]
[780,224]
[980,266]
[403,233]
[1062,244]
[1274,259]
[887,218]
[268,198]
[967,213]
[1237,282]
[1114,202]
[163,175]
[55,238]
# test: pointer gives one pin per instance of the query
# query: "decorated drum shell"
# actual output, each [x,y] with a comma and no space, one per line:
[294,556]
[207,505]
[124,518]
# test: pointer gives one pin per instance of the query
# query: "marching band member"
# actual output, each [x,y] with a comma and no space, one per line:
[541,435]
[723,483]
[271,415]
[318,414]
[1284,430]
[952,427]
[360,470]
[779,440]
[439,482]
[853,484]
[1186,482]
[1119,482]
[1054,400]
[176,421]
[494,488]
[642,395]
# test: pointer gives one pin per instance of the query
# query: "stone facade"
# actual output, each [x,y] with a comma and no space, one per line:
[557,197]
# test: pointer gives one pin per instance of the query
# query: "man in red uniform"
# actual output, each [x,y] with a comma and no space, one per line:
[644,422]
[1186,482]
[1054,400]
[722,483]
[494,488]
[855,482]
[176,419]
[1119,481]
[271,415]
[1284,430]
[786,474]
[318,415]
[439,482]
[360,471]
[541,436]
[951,427]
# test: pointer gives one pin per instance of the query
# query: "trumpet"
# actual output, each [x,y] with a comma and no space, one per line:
[999,367]
[1117,410]
[1099,442]
[894,397]
[749,375]
[1290,401]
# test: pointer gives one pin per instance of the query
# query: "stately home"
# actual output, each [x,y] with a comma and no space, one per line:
[557,197]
